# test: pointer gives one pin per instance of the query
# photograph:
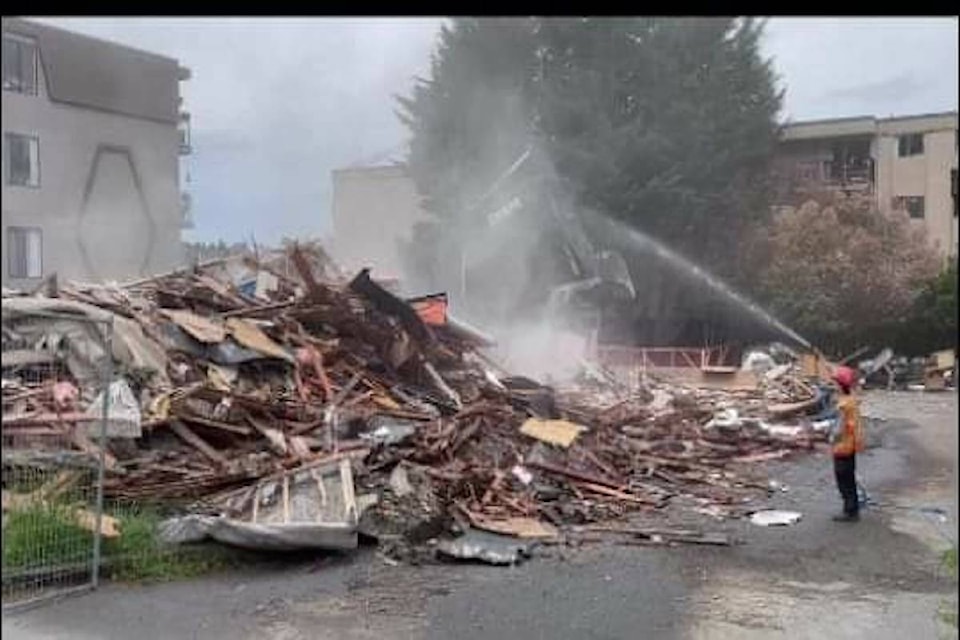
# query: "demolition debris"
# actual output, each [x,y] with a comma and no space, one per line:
[280,405]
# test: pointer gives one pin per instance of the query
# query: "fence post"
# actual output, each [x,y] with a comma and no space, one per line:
[102,453]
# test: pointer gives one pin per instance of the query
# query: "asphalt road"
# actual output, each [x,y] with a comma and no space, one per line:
[879,578]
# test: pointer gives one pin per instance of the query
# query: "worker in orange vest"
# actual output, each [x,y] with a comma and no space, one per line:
[847,439]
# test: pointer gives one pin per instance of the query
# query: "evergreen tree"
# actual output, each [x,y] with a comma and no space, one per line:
[666,124]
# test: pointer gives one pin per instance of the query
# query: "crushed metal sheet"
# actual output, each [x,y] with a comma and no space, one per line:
[310,507]
[486,547]
[259,537]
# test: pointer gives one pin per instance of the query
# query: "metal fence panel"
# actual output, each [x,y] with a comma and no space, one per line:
[54,367]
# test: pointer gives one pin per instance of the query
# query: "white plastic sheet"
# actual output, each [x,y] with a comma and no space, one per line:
[123,413]
[775,518]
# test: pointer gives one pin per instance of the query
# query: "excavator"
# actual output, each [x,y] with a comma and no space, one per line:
[529,252]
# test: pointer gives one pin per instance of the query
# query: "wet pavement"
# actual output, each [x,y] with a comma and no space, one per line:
[879,578]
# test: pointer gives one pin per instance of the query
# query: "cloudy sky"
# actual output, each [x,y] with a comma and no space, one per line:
[277,103]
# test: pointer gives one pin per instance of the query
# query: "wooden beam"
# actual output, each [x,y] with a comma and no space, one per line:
[184,433]
[86,445]
[214,424]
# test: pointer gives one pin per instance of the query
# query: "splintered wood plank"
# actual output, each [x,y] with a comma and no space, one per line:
[349,498]
[321,489]
[273,435]
[86,445]
[214,424]
[201,328]
[300,447]
[184,433]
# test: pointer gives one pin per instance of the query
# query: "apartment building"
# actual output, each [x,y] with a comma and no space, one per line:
[93,135]
[375,209]
[907,163]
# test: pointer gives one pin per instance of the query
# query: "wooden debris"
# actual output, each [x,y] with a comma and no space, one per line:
[86,445]
[188,436]
[346,366]
[516,526]
[203,329]
[250,336]
[559,432]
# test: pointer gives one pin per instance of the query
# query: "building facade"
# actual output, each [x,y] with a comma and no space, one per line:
[375,209]
[93,134]
[906,163]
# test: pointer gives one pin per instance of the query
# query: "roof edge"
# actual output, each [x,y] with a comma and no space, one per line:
[10,21]
[843,120]
[869,118]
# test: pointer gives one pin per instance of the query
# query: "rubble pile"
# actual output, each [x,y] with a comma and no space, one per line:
[241,377]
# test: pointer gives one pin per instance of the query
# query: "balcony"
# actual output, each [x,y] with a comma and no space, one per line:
[856,177]
[186,211]
[831,175]
[183,127]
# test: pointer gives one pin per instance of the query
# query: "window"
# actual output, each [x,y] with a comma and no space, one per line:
[23,160]
[953,190]
[911,144]
[913,205]
[25,251]
[19,64]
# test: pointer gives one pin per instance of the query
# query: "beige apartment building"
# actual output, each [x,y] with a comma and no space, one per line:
[93,135]
[374,211]
[907,163]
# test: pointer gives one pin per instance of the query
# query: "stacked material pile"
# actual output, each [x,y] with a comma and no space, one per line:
[233,372]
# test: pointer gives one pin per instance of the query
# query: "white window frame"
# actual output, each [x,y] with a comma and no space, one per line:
[910,154]
[32,264]
[33,150]
[35,66]
[901,203]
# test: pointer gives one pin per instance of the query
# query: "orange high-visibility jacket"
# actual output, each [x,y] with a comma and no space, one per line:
[850,439]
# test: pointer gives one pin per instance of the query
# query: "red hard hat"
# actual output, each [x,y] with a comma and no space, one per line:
[845,377]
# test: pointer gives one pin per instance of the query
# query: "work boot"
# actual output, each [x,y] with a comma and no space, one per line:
[846,517]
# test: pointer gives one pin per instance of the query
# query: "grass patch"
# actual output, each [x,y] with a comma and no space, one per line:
[948,615]
[949,560]
[42,538]
[139,555]
[948,612]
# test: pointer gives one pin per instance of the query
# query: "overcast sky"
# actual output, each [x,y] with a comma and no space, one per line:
[277,103]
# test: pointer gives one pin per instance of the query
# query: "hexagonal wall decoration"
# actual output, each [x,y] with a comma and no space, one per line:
[115,226]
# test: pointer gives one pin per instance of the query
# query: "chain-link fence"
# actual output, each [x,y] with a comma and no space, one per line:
[57,368]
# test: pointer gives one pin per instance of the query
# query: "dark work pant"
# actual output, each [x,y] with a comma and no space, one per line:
[845,468]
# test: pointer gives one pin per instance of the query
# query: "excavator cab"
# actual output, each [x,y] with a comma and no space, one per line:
[531,228]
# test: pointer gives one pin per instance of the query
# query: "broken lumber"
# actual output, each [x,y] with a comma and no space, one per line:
[188,436]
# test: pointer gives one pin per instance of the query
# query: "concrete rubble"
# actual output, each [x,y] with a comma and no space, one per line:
[255,376]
